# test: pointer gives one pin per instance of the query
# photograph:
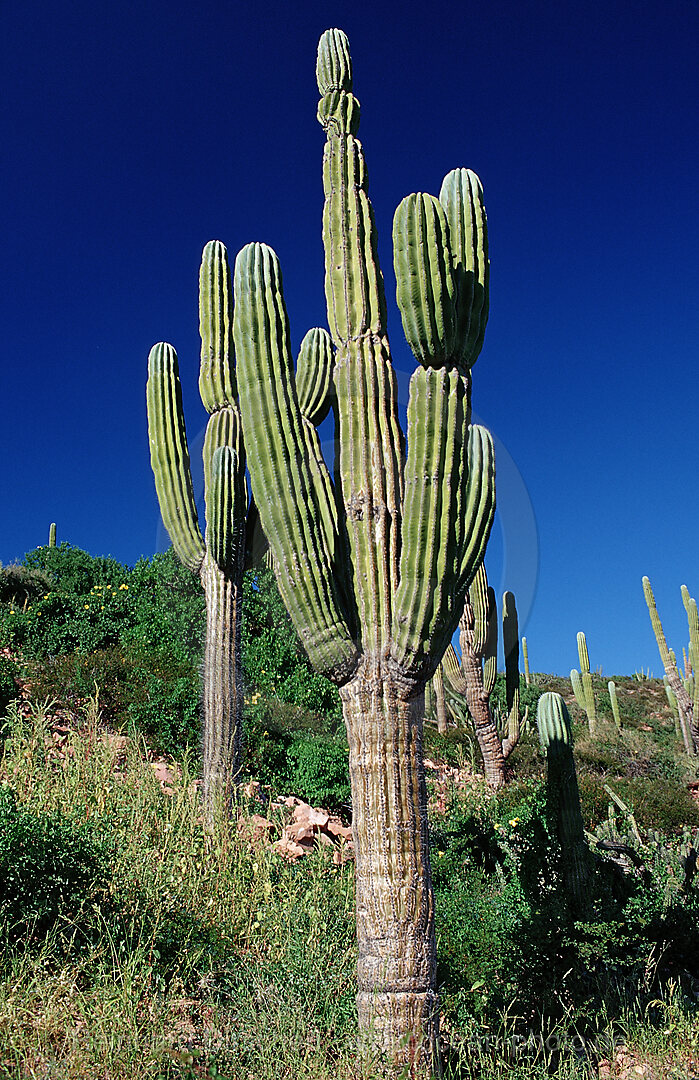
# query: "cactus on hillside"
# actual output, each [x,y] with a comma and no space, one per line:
[525,660]
[687,703]
[373,569]
[586,679]
[577,687]
[218,558]
[52,534]
[563,798]
[614,701]
[473,678]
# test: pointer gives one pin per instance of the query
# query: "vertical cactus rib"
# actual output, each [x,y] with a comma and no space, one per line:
[433,511]
[461,195]
[287,499]
[169,455]
[425,289]
[217,370]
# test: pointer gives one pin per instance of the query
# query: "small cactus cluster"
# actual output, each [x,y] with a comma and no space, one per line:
[563,798]
[581,681]
[469,682]
[683,693]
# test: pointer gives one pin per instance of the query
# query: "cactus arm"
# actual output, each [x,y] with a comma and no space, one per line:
[440,701]
[690,606]
[370,445]
[461,196]
[480,504]
[490,652]
[287,499]
[217,369]
[425,289]
[433,519]
[169,456]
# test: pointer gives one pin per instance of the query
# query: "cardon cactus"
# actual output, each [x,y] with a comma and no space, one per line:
[614,702]
[373,568]
[218,558]
[473,678]
[52,534]
[525,660]
[563,798]
[586,679]
[687,703]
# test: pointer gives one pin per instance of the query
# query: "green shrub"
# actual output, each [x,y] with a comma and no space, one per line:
[319,773]
[9,690]
[49,867]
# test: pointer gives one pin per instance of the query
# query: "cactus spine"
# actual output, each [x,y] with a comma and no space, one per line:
[563,798]
[218,558]
[525,659]
[373,569]
[52,534]
[687,704]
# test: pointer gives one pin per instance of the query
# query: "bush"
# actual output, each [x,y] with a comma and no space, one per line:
[49,867]
[319,773]
[8,687]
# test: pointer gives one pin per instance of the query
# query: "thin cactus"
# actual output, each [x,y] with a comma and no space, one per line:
[577,687]
[374,569]
[525,659]
[563,798]
[52,534]
[471,681]
[217,558]
[687,704]
[586,678]
[611,686]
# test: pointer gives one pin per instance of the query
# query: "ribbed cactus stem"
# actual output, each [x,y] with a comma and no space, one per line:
[373,569]
[525,659]
[218,558]
[563,798]
[614,701]
[52,534]
[577,687]
[586,678]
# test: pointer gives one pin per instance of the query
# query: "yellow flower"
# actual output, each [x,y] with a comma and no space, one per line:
[497,825]
[514,822]
[440,853]
[123,586]
[46,596]
[86,606]
[102,607]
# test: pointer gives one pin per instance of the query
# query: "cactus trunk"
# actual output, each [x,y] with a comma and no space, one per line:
[395,907]
[222,684]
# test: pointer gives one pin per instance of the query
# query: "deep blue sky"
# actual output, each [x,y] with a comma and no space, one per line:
[133,133]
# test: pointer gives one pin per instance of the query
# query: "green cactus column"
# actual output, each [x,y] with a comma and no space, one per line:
[688,705]
[373,568]
[52,534]
[563,799]
[218,558]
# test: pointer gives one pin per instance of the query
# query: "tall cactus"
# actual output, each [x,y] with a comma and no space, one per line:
[687,704]
[525,660]
[373,568]
[563,798]
[52,534]
[218,558]
[582,684]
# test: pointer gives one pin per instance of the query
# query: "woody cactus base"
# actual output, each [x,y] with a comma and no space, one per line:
[373,568]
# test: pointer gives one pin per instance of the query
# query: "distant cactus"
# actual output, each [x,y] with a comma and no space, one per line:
[563,798]
[52,534]
[611,686]
[373,569]
[586,677]
[525,660]
[472,680]
[577,687]
[687,704]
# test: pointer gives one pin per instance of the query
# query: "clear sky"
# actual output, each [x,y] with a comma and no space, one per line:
[132,133]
